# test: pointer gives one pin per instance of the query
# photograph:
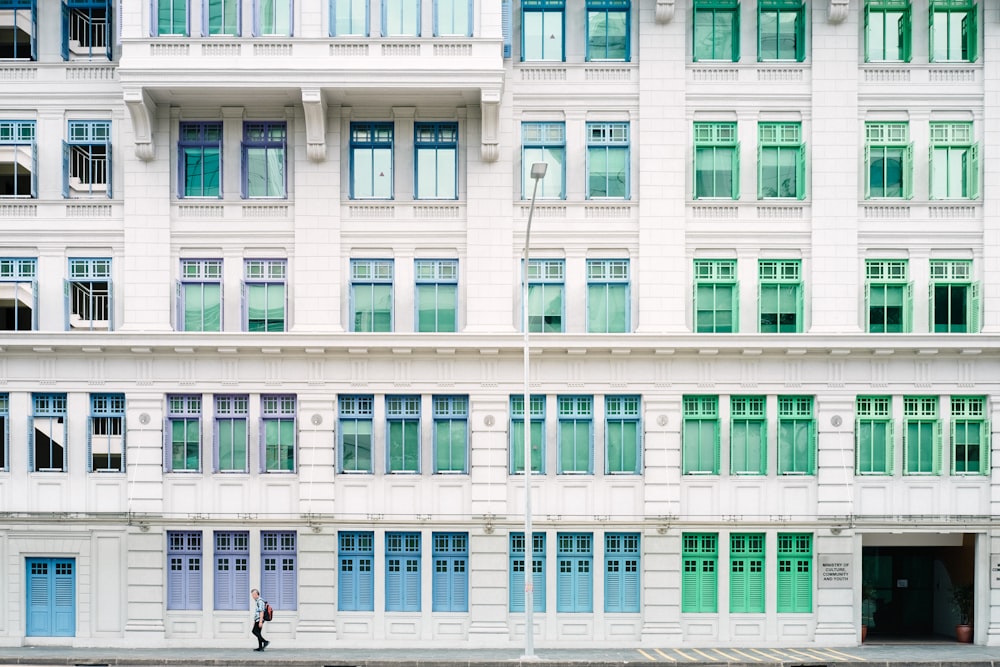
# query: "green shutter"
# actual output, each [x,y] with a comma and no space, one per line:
[970,26]
[813,446]
[736,34]
[717,466]
[689,585]
[984,449]
[890,452]
[973,308]
[800,35]
[800,173]
[937,447]
[736,307]
[908,308]
[760,169]
[868,171]
[905,36]
[867,14]
[868,308]
[930,33]
[908,172]
[906,447]
[972,173]
[736,171]
[803,585]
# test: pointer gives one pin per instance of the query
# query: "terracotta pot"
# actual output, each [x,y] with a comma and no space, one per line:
[864,632]
[963,633]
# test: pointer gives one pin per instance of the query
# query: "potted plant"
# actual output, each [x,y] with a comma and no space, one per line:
[869,603]
[963,597]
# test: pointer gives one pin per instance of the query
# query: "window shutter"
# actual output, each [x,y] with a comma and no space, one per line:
[243,305]
[867,16]
[108,150]
[937,447]
[784,585]
[411,582]
[516,589]
[932,169]
[952,437]
[585,585]
[393,586]
[34,304]
[34,30]
[460,585]
[930,32]
[972,175]
[890,430]
[65,32]
[717,445]
[538,583]
[347,579]
[736,171]
[800,324]
[908,308]
[366,585]
[760,56]
[176,572]
[974,313]
[689,585]
[261,446]
[287,576]
[800,173]
[66,150]
[566,585]
[760,170]
[167,445]
[908,172]
[737,585]
[31,444]
[736,307]
[67,287]
[800,34]
[813,447]
[194,582]
[111,303]
[613,584]
[905,35]
[984,448]
[709,586]
[906,447]
[736,34]
[868,171]
[970,31]
[269,584]
[803,585]
[111,22]
[868,309]
[930,308]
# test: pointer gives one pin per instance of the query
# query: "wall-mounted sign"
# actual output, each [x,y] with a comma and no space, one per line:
[835,571]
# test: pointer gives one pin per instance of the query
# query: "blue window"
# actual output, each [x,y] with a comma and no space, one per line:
[608,29]
[221,17]
[349,17]
[537,409]
[184,569]
[4,432]
[232,571]
[18,40]
[355,571]
[402,571]
[272,17]
[87,159]
[47,433]
[452,18]
[576,435]
[371,160]
[182,439]
[88,295]
[622,428]
[106,435]
[371,295]
[517,586]
[277,433]
[436,154]
[199,295]
[169,17]
[437,295]
[575,582]
[264,160]
[451,434]
[18,158]
[231,414]
[622,583]
[546,291]
[450,580]
[264,295]
[18,294]
[608,160]
[543,24]
[402,434]
[608,296]
[199,160]
[400,18]
[355,432]
[279,568]
[86,29]
[544,142]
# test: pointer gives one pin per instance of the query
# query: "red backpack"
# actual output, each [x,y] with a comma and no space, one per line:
[268,611]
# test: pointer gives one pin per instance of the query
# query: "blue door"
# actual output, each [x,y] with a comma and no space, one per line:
[51,599]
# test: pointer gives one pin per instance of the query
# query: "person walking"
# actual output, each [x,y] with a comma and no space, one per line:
[258,620]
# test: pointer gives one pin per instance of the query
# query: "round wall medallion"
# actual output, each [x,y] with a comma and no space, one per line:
[836,420]
[316,419]
[489,420]
[144,418]
[662,420]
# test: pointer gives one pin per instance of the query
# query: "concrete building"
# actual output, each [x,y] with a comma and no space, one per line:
[260,278]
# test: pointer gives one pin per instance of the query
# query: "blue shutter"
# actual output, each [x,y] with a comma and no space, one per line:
[179,306]
[347,583]
[516,592]
[175,583]
[411,583]
[110,176]
[194,583]
[111,297]
[630,585]
[168,432]
[269,584]
[34,305]
[65,190]
[65,32]
[505,25]
[366,584]
[38,612]
[393,585]
[460,584]
[31,444]
[34,30]
[34,170]
[613,584]
[63,598]
[90,444]
[441,584]
[224,582]
[243,308]
[289,583]
[565,585]
[110,23]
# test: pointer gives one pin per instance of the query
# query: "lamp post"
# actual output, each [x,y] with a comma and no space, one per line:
[537,173]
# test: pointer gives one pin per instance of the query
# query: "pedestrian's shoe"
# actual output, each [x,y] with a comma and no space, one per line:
[259,648]
[266,644]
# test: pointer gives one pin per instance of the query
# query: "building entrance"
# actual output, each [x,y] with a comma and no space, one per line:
[51,599]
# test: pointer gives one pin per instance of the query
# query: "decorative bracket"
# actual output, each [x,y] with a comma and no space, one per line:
[141,109]
[665,10]
[490,110]
[315,113]
[837,11]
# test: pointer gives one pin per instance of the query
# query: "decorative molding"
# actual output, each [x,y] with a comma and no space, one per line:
[664,11]
[490,112]
[315,113]
[141,109]
[837,11]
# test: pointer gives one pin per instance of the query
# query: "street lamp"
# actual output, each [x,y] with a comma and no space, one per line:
[537,174]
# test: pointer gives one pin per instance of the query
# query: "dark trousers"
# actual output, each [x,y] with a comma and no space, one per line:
[256,633]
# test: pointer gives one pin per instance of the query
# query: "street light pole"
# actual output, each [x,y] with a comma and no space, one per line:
[537,173]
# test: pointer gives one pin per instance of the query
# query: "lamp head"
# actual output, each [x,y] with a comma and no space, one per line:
[538,170]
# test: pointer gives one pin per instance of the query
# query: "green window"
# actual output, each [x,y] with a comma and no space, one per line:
[231,415]
[371,295]
[200,160]
[954,31]
[545,295]
[887,31]
[888,296]
[888,160]
[200,295]
[608,29]
[873,435]
[781,30]
[607,160]
[537,418]
[355,433]
[272,17]
[781,161]
[795,556]
[716,161]
[451,434]
[700,579]
[622,430]
[796,436]
[543,23]
[954,305]
[746,573]
[184,422]
[576,434]
[278,429]
[748,435]
[437,294]
[543,142]
[717,30]
[700,437]
[220,17]
[402,433]
[607,296]
[970,436]
[171,17]
[921,436]
[954,161]
[715,296]
[264,294]
[780,303]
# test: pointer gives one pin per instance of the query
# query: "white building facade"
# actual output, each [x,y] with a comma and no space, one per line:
[260,278]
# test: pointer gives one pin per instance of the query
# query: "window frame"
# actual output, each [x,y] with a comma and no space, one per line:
[747,581]
[594,10]
[91,20]
[355,570]
[185,411]
[551,12]
[184,570]
[883,275]
[394,25]
[200,274]
[881,138]
[748,413]
[953,140]
[278,411]
[195,140]
[717,274]
[717,139]
[259,17]
[698,456]
[779,7]
[716,8]
[279,576]
[376,140]
[574,572]
[543,142]
[84,295]
[517,589]
[536,421]
[51,407]
[261,273]
[231,549]
[18,274]
[356,410]
[30,6]
[606,277]
[576,423]
[544,276]
[368,275]
[968,46]
[622,573]
[107,412]
[402,434]
[922,414]
[16,135]
[904,30]
[257,138]
[796,413]
[873,414]
[950,274]
[231,409]
[439,141]
[780,275]
[794,583]
[781,138]
[338,7]
[699,573]
[606,139]
[969,418]
[157,24]
[87,153]
[436,280]
[226,7]
[450,423]
[4,432]
[623,414]
[450,571]
[403,556]
[452,31]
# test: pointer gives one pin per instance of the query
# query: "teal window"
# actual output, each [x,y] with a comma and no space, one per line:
[746,573]
[87,159]
[47,433]
[170,17]
[264,295]
[608,160]
[349,17]
[450,579]
[436,154]
[537,421]
[796,436]
[371,160]
[200,160]
[700,576]
[622,584]
[795,565]
[954,297]
[402,571]
[452,18]
[355,433]
[780,303]
[700,436]
[622,429]
[437,294]
[888,161]
[715,296]
[451,434]
[608,29]
[221,17]
[608,296]
[921,436]
[717,30]
[543,23]
[887,31]
[18,158]
[231,435]
[264,160]
[575,580]
[954,30]
[888,296]
[781,161]
[278,433]
[400,18]
[402,434]
[544,142]
[88,295]
[272,17]
[716,161]
[954,161]
[576,434]
[106,437]
[519,588]
[200,295]
[781,30]
[371,295]
[183,452]
[873,435]
[546,288]
[970,436]
[748,435]
[18,294]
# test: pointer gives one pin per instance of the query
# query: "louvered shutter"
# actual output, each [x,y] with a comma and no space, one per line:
[908,172]
[65,32]
[411,580]
[90,444]
[800,174]
[784,585]
[937,447]
[393,585]
[66,150]
[972,173]
[224,576]
[709,586]
[803,585]
[175,582]
[736,171]
[984,448]
[194,582]
[287,597]
[31,444]
[347,584]
[538,581]
[365,584]
[630,586]
[974,305]
[908,308]
[736,34]
[585,585]
[737,586]
[689,585]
